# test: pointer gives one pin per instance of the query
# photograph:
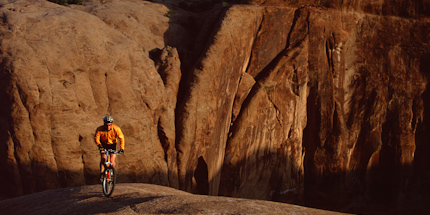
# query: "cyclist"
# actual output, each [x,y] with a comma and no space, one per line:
[106,137]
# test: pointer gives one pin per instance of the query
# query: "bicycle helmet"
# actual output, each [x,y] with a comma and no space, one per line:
[108,119]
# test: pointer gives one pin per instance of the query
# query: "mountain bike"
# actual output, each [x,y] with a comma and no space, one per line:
[109,175]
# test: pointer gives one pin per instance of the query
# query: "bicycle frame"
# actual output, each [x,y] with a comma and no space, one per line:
[109,179]
[108,152]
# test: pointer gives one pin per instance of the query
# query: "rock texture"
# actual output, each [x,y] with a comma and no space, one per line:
[77,69]
[142,199]
[403,8]
[306,102]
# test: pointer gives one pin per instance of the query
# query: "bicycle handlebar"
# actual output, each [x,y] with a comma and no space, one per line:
[112,151]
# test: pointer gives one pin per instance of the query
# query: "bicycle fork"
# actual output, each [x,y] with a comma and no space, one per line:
[108,164]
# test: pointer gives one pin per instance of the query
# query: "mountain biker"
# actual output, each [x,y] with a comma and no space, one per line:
[106,137]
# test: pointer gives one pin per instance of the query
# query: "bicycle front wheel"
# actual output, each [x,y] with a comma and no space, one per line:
[109,180]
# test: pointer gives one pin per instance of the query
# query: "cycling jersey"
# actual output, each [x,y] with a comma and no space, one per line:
[109,137]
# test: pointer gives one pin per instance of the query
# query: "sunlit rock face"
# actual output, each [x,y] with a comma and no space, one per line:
[404,8]
[333,114]
[64,69]
[299,102]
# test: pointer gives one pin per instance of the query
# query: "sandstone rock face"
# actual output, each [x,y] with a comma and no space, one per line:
[404,8]
[77,69]
[323,105]
[366,118]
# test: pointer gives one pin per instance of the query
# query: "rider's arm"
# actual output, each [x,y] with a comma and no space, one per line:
[97,138]
[120,136]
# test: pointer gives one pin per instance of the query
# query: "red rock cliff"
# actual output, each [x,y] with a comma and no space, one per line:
[307,102]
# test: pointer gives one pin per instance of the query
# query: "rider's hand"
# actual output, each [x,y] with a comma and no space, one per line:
[121,151]
[101,148]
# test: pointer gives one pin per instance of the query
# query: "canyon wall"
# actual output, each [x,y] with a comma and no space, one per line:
[299,102]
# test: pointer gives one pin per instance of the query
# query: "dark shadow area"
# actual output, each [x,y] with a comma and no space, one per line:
[199,21]
[419,194]
[201,176]
[7,184]
[310,142]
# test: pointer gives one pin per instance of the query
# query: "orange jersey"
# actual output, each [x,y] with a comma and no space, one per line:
[109,137]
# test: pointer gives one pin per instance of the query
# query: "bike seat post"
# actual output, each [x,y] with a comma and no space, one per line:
[107,158]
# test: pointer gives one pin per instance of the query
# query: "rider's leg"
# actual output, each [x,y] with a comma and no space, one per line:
[112,159]
[102,161]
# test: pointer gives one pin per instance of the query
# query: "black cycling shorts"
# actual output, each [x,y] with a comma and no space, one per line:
[109,146]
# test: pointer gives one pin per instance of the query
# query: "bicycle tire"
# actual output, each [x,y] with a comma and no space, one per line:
[109,185]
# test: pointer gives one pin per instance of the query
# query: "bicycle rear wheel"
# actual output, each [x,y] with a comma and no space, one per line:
[109,180]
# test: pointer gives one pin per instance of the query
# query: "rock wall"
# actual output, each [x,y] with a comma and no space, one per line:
[400,8]
[322,105]
[63,70]
[366,118]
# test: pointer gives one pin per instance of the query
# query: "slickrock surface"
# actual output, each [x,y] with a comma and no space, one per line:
[305,102]
[142,199]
